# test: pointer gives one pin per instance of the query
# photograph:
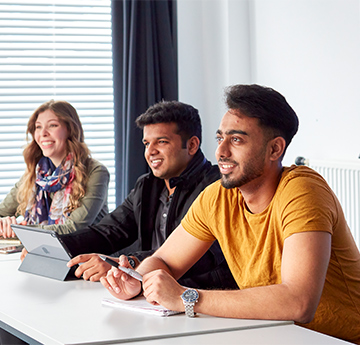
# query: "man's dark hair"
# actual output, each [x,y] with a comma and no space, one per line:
[265,104]
[184,115]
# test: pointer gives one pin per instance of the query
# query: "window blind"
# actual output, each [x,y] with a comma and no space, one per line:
[55,49]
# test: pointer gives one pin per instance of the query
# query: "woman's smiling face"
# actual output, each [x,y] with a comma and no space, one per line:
[51,136]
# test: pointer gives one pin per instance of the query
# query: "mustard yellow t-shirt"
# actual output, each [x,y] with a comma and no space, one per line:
[253,243]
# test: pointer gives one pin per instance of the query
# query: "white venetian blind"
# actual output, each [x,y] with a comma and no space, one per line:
[55,49]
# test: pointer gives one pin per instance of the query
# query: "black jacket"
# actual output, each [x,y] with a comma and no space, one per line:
[128,229]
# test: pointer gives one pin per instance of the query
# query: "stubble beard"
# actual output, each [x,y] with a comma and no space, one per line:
[250,173]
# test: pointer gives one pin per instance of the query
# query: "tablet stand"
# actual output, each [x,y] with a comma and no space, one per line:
[45,266]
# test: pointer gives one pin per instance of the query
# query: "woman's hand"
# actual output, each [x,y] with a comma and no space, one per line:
[23,254]
[5,228]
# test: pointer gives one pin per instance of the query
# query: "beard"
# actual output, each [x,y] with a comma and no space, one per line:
[251,171]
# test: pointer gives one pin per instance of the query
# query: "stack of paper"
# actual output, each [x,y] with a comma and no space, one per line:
[140,304]
[10,245]
[11,241]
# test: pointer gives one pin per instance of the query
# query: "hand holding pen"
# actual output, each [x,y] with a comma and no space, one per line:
[117,284]
[128,271]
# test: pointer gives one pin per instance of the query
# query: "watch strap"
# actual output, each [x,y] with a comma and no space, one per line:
[190,297]
[189,309]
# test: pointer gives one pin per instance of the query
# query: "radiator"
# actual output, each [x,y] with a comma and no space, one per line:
[344,179]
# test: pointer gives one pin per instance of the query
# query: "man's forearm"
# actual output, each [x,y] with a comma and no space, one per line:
[152,263]
[273,302]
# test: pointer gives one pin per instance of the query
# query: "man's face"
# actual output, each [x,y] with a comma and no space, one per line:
[163,150]
[241,152]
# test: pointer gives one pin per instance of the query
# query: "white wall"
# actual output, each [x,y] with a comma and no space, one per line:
[213,36]
[309,50]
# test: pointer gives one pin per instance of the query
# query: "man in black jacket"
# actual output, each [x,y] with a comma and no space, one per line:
[158,202]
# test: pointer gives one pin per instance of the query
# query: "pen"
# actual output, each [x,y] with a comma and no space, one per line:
[129,271]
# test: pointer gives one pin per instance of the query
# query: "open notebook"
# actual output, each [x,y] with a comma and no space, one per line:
[141,305]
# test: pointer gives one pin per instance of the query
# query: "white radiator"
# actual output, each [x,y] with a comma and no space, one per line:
[344,179]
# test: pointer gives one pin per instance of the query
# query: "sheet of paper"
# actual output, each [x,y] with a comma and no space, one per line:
[139,304]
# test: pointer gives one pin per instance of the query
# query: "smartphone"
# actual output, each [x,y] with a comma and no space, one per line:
[11,249]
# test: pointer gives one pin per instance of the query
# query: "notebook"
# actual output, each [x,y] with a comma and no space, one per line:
[9,241]
[47,254]
[139,304]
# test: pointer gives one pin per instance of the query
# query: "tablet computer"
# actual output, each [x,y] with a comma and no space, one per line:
[47,254]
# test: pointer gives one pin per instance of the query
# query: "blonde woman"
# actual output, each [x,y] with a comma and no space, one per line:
[63,188]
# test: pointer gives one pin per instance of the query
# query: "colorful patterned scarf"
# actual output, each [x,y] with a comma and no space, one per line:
[50,179]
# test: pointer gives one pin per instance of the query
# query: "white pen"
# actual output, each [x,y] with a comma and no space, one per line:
[128,271]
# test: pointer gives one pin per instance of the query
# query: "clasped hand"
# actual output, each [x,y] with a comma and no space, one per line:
[159,287]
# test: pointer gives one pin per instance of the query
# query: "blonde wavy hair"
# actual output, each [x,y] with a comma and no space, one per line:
[32,153]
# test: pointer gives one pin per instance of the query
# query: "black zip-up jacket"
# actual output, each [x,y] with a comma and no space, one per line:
[129,228]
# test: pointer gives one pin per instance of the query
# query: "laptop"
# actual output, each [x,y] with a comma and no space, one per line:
[47,254]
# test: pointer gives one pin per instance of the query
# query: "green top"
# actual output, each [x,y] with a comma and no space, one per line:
[93,205]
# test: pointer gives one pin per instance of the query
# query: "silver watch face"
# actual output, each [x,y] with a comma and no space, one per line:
[190,296]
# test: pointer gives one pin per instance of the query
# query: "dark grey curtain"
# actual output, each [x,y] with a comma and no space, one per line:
[145,71]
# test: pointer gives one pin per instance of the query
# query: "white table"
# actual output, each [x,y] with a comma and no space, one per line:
[70,312]
[280,334]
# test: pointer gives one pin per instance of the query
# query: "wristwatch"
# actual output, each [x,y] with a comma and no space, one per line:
[190,297]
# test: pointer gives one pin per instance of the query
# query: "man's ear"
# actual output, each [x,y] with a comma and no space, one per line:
[277,148]
[193,145]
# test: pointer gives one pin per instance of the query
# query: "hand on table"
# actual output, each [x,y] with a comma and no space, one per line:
[5,228]
[161,288]
[92,267]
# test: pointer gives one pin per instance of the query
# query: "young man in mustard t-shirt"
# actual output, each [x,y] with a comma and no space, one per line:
[281,229]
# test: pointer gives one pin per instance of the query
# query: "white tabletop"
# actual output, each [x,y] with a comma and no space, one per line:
[281,334]
[70,312]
